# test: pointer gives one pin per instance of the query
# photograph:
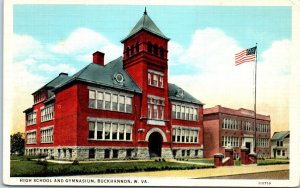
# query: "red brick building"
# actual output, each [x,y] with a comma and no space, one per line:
[122,109]
[235,128]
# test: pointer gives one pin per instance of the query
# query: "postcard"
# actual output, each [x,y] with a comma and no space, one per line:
[107,93]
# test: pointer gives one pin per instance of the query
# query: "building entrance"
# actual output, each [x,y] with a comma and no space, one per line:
[248,145]
[154,144]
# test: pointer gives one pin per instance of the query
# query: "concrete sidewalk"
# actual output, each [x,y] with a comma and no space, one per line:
[200,173]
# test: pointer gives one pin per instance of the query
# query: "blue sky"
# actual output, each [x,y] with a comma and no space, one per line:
[61,38]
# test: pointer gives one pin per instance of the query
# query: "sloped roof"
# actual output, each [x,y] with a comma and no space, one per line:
[145,23]
[61,78]
[105,75]
[280,135]
[186,97]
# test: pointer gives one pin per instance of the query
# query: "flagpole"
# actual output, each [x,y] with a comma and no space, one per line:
[255,78]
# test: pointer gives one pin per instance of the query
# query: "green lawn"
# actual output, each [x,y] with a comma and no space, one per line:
[272,162]
[36,169]
[207,161]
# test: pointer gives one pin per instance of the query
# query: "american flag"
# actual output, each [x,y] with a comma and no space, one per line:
[245,56]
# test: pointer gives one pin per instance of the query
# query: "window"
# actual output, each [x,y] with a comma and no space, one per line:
[70,153]
[184,135]
[91,130]
[115,153]
[127,52]
[92,99]
[137,47]
[162,55]
[107,131]
[31,118]
[149,79]
[121,131]
[155,108]
[110,101]
[128,132]
[128,153]
[102,130]
[100,100]
[230,140]
[182,112]
[188,152]
[174,152]
[107,154]
[114,102]
[47,135]
[107,97]
[149,47]
[132,49]
[178,112]
[183,153]
[278,152]
[155,80]
[128,104]
[155,49]
[31,137]
[161,82]
[114,131]
[47,113]
[173,111]
[283,152]
[92,153]
[196,152]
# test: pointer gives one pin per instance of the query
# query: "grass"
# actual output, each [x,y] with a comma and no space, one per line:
[24,157]
[207,161]
[41,169]
[272,162]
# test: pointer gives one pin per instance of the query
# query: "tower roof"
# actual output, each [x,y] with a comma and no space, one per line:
[145,23]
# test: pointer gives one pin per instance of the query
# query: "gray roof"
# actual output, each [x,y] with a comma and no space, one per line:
[105,76]
[61,78]
[145,23]
[186,97]
[280,135]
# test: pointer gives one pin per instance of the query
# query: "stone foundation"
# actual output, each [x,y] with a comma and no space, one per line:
[110,153]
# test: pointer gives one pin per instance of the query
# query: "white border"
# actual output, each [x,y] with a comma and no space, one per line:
[294,92]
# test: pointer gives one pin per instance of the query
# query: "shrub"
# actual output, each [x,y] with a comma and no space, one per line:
[75,162]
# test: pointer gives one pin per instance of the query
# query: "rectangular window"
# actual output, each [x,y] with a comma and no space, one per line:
[182,135]
[92,99]
[161,112]
[107,154]
[161,82]
[283,152]
[31,137]
[173,111]
[178,112]
[173,135]
[91,130]
[99,130]
[47,113]
[121,103]
[128,153]
[149,78]
[107,131]
[31,118]
[114,102]
[182,112]
[121,131]
[188,152]
[191,114]
[187,113]
[183,153]
[196,152]
[92,153]
[115,153]
[114,131]
[195,136]
[178,135]
[107,99]
[149,111]
[128,104]
[100,100]
[128,132]
[195,114]
[47,135]
[155,80]
[155,112]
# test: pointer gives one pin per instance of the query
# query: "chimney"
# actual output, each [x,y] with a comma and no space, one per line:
[98,58]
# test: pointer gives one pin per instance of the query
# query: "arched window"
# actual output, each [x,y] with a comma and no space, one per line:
[132,49]
[137,47]
[149,47]
[127,52]
[155,49]
[162,52]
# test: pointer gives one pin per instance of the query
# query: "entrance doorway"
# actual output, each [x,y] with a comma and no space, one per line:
[154,144]
[248,145]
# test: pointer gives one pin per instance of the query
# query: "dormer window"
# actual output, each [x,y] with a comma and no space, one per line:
[180,93]
[119,77]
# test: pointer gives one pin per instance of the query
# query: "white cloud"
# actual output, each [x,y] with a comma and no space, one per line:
[83,42]
[57,68]
[218,81]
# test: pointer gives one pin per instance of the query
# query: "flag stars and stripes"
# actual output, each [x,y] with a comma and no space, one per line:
[246,55]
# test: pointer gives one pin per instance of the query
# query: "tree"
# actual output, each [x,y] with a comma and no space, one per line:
[17,144]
